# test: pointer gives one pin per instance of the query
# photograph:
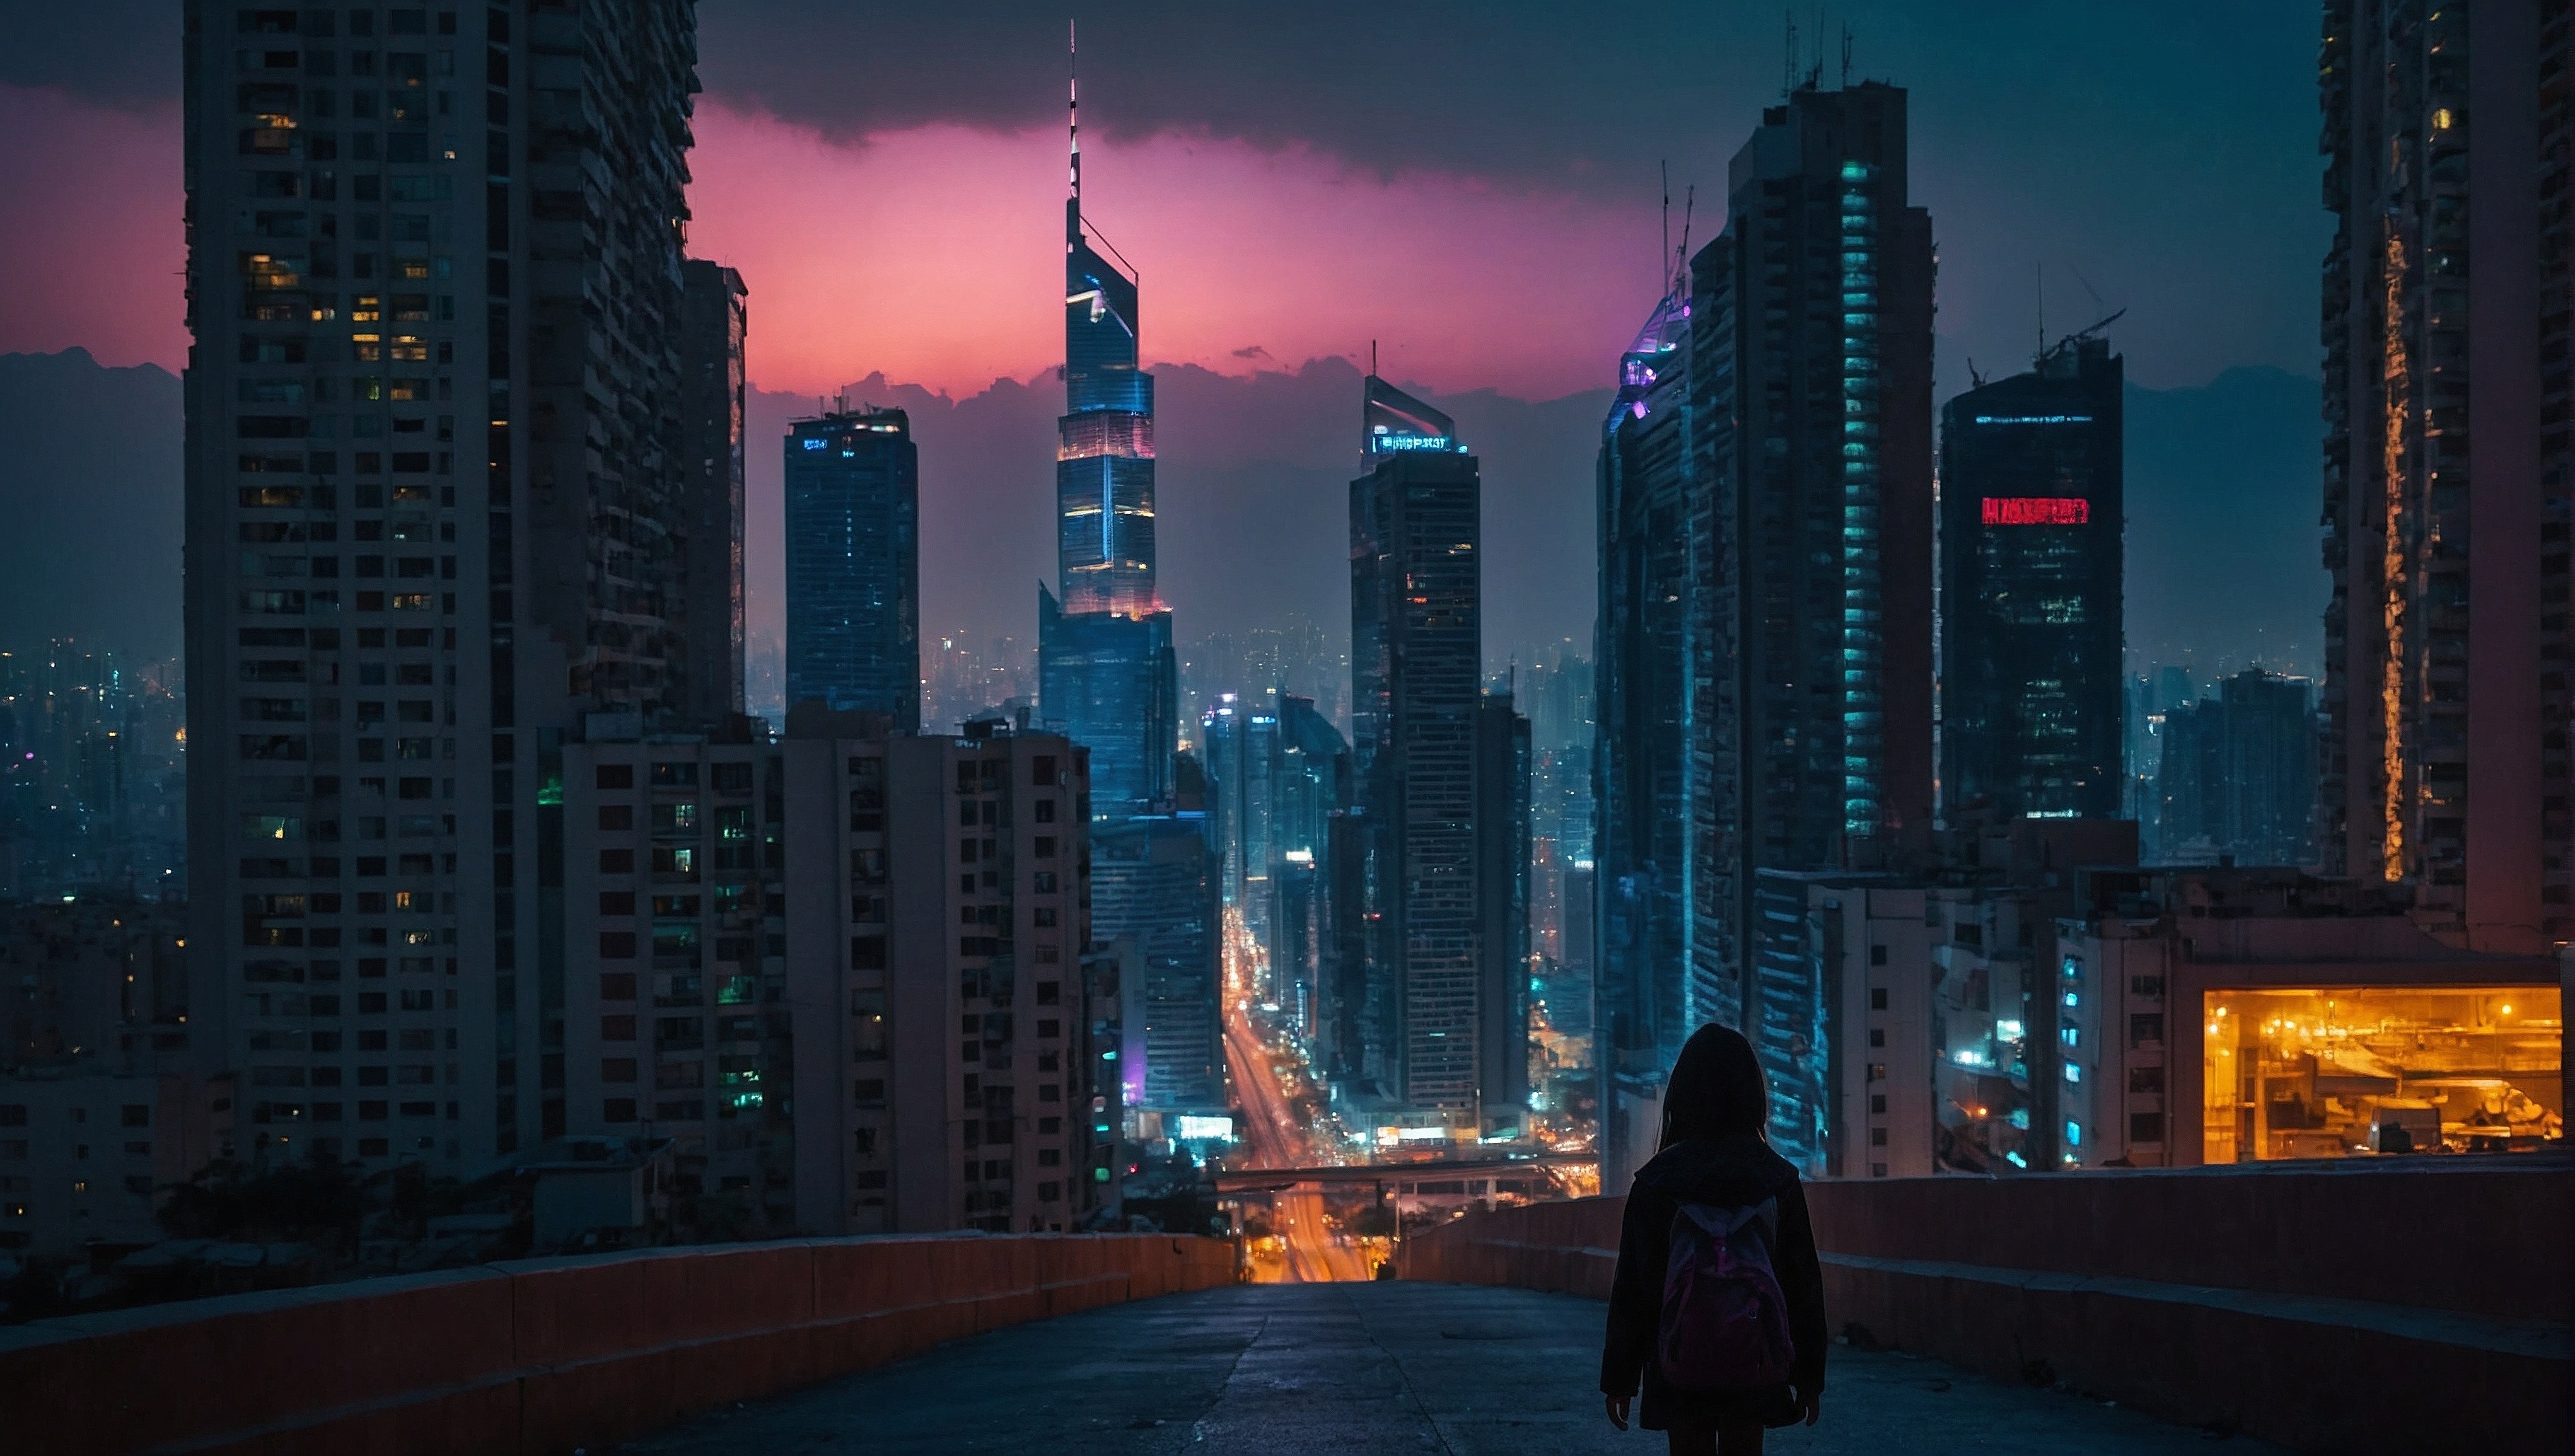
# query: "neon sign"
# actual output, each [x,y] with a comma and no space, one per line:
[813,444]
[2036,510]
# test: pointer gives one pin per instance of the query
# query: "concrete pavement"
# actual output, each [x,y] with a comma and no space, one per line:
[1447,1368]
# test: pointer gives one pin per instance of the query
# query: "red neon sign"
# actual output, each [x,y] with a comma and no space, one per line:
[2036,510]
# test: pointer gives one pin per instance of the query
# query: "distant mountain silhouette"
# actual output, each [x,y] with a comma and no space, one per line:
[2222,506]
[90,488]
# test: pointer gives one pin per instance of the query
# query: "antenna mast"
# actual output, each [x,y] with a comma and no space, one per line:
[1789,66]
[1072,132]
[1681,258]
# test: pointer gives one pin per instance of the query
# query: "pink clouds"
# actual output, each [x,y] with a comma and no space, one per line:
[89,238]
[931,255]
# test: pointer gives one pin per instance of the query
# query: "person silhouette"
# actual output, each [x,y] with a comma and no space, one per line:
[1714,1174]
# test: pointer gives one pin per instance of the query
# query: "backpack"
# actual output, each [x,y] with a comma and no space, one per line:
[1725,1319]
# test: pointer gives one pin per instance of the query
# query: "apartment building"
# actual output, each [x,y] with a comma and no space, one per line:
[673,966]
[937,917]
[437,514]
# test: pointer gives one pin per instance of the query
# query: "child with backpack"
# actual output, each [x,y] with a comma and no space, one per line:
[1719,1303]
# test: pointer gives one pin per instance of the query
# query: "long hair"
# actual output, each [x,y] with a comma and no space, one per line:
[1715,1090]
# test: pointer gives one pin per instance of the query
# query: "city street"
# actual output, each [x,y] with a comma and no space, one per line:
[1279,1139]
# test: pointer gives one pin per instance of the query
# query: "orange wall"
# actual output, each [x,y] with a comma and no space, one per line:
[543,1355]
[2364,1306]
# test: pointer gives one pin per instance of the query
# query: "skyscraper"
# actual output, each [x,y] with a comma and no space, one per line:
[854,565]
[1154,884]
[2238,774]
[1810,370]
[1416,682]
[1649,768]
[935,936]
[1311,787]
[437,519]
[714,389]
[1106,672]
[2031,528]
[2446,764]
[1502,913]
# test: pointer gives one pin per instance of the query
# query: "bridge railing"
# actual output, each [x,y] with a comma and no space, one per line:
[2380,1306]
[544,1355]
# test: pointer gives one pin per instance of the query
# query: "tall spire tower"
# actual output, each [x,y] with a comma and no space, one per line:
[1073,134]
[1106,675]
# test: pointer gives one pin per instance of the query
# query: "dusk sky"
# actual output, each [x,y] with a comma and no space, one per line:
[1472,184]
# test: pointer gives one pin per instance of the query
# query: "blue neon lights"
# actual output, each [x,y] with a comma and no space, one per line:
[1863,711]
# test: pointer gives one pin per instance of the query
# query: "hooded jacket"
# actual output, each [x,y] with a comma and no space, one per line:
[1733,1172]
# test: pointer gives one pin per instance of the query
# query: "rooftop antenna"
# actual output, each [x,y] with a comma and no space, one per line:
[1681,259]
[1846,55]
[2043,309]
[1072,131]
[1788,65]
[1816,73]
[1371,357]
[1666,167]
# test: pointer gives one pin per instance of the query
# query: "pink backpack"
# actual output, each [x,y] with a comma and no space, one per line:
[1725,1319]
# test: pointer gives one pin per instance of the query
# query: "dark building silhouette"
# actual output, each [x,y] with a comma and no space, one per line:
[1106,673]
[2448,473]
[1155,884]
[1503,913]
[1651,992]
[713,386]
[853,564]
[1310,786]
[1792,674]
[439,524]
[2032,687]
[1416,682]
[2237,780]
[1810,372]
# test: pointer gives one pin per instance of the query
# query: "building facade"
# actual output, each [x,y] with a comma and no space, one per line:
[1156,885]
[1416,644]
[1502,867]
[2032,525]
[2445,764]
[715,385]
[1311,789]
[2236,775]
[437,514]
[854,565]
[673,964]
[2223,1015]
[1108,674]
[935,936]
[1810,369]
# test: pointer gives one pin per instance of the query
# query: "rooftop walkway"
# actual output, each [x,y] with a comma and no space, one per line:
[1379,1367]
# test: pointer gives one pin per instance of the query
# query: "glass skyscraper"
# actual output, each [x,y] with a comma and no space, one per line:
[1106,673]
[1416,645]
[2030,588]
[1765,673]
[854,565]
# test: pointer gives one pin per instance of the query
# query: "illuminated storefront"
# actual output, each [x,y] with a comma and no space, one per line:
[2333,1071]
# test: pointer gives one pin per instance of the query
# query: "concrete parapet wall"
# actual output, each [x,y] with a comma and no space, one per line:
[2361,1308]
[543,1355]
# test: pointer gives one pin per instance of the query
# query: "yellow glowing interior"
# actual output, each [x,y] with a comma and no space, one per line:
[2315,1072]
